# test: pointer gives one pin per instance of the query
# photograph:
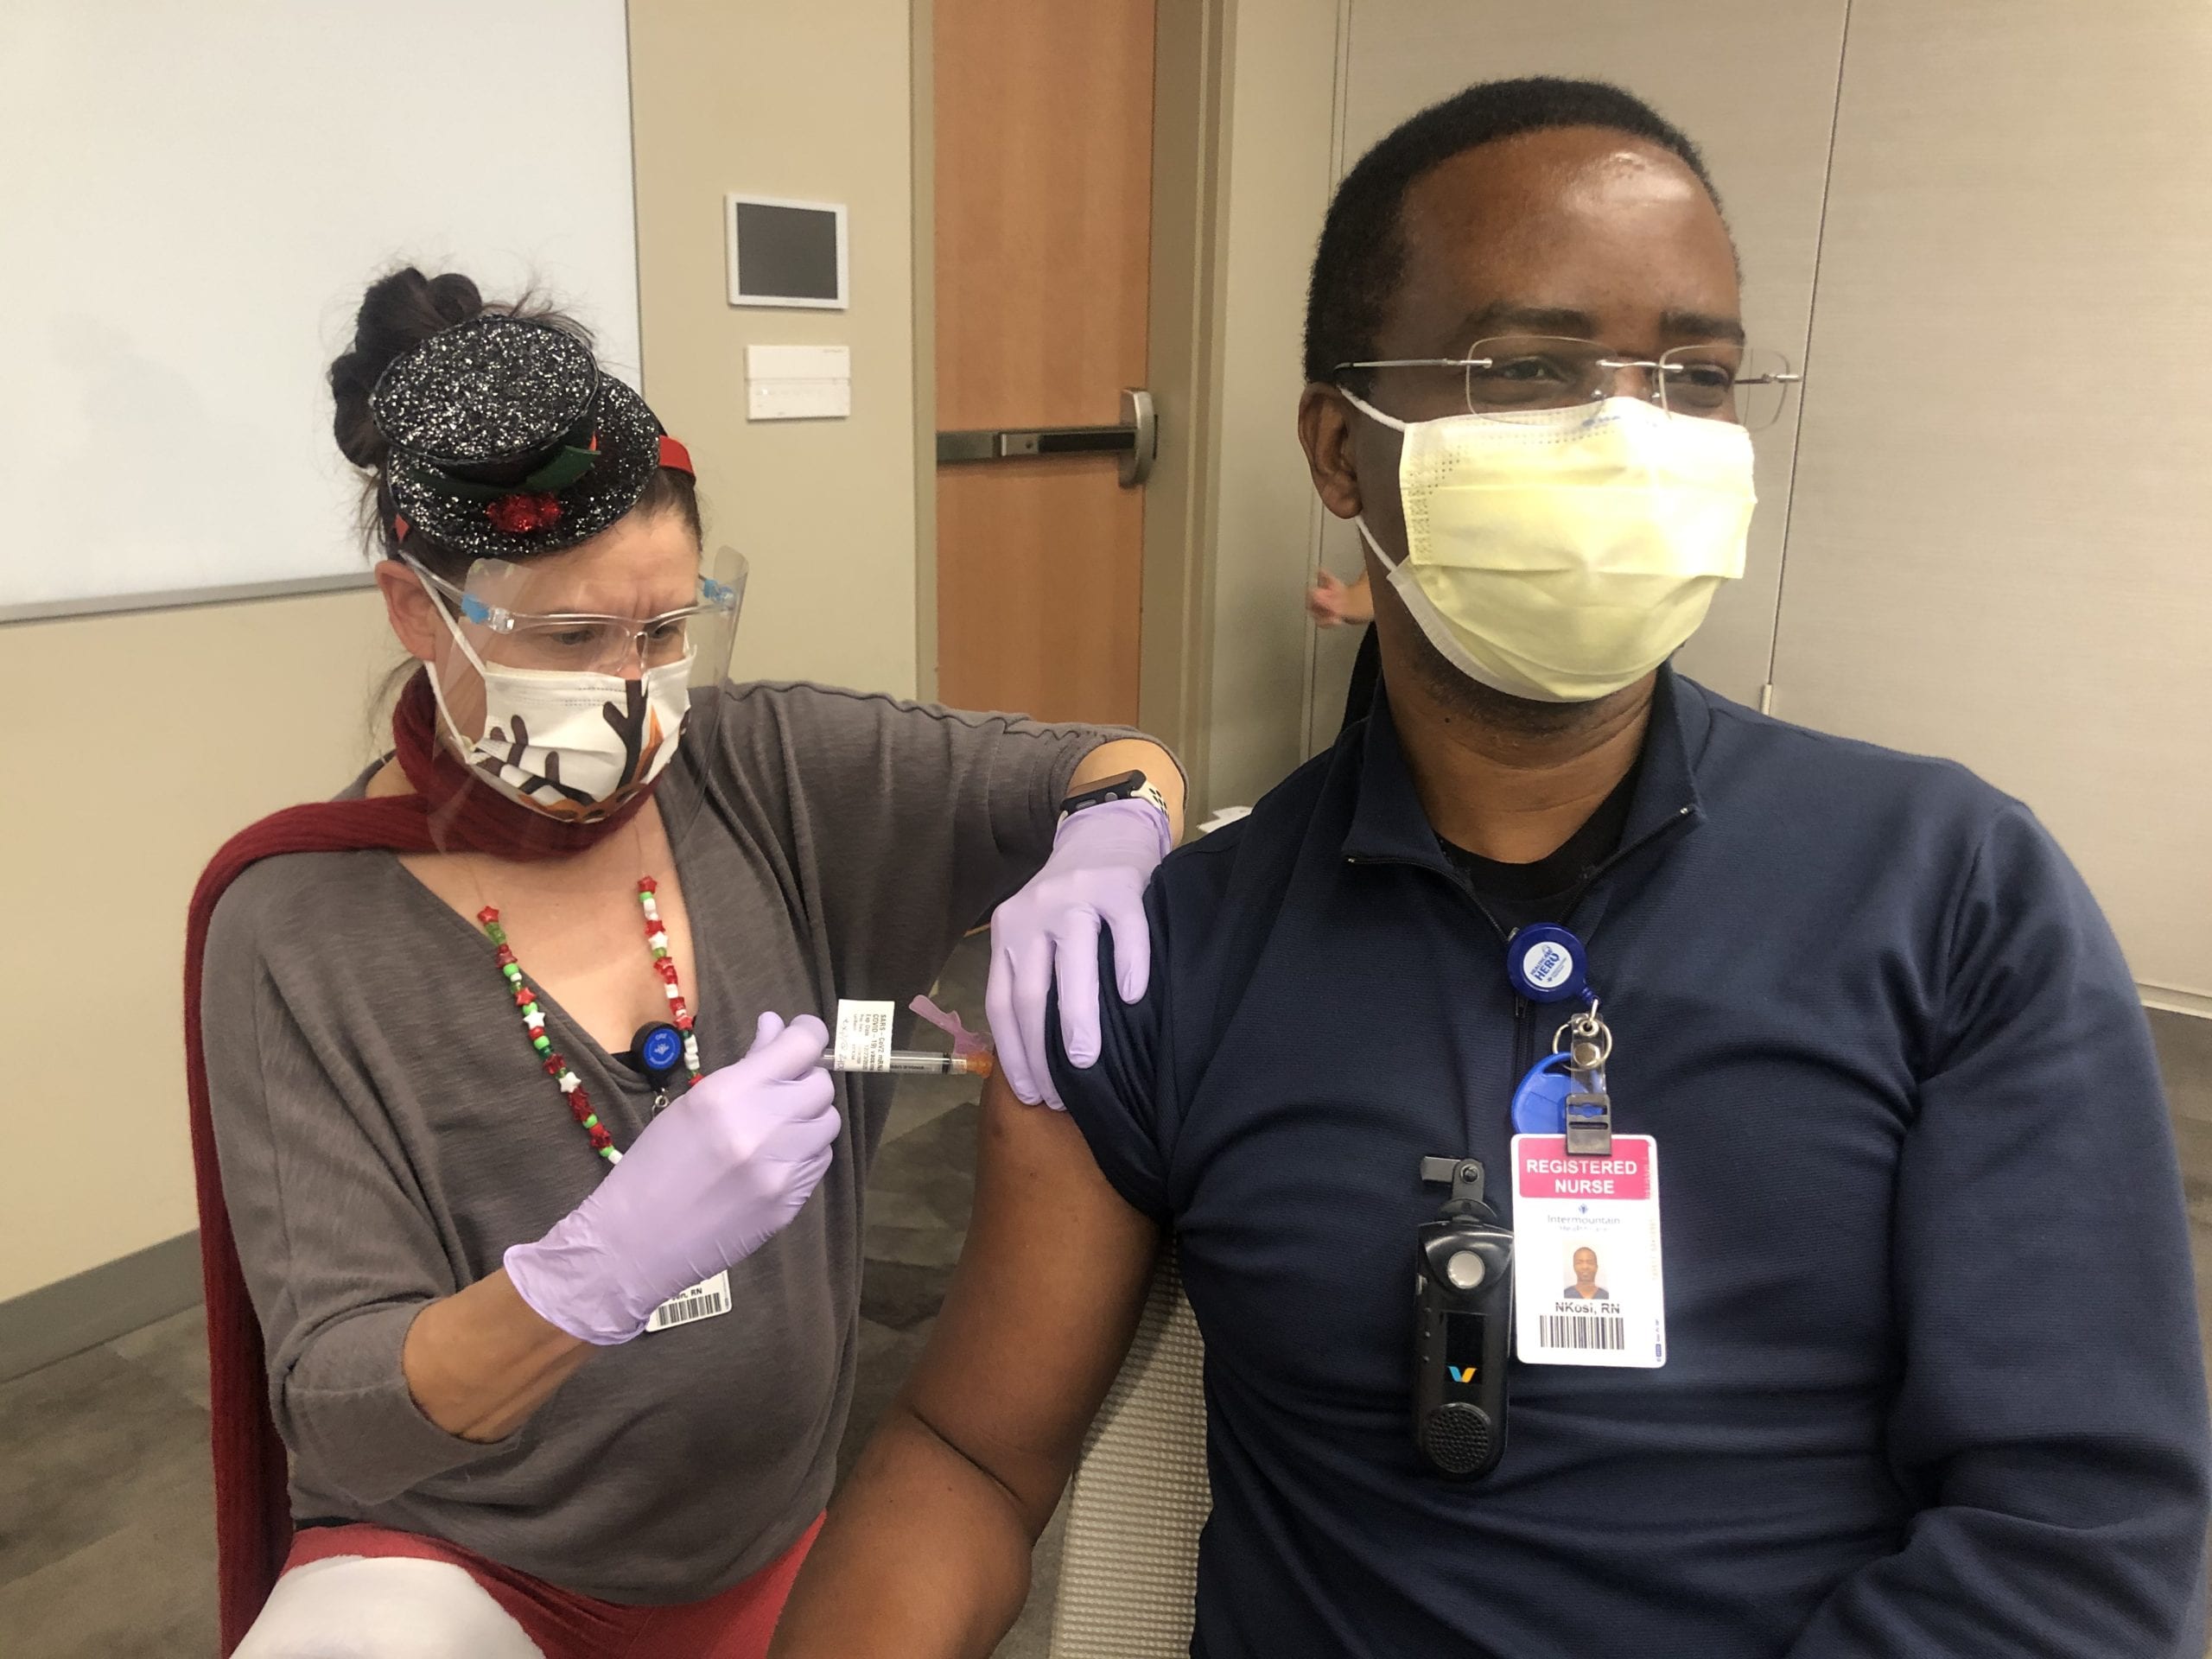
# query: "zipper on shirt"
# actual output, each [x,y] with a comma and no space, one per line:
[1523,1035]
[1597,873]
[1682,816]
[1524,1024]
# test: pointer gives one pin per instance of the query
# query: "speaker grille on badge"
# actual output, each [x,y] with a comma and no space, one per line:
[1457,1437]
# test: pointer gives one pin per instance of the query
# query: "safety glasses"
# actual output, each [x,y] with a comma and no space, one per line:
[511,614]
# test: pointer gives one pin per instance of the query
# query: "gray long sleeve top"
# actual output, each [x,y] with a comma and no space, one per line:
[385,1133]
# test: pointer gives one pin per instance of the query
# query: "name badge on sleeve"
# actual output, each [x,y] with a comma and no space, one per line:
[1587,1285]
[703,1300]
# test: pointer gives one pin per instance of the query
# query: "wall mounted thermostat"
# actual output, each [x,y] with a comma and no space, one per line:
[785,253]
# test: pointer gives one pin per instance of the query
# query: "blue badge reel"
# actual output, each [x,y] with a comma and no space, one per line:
[659,1048]
[1547,963]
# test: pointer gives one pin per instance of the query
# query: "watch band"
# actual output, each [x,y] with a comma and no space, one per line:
[1150,792]
[1129,786]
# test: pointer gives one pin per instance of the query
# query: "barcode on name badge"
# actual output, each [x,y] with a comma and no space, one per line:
[1607,1332]
[704,1303]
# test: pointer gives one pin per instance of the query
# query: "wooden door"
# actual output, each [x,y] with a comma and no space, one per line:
[1043,167]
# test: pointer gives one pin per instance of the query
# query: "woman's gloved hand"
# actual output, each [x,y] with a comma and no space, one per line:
[713,1178]
[1101,859]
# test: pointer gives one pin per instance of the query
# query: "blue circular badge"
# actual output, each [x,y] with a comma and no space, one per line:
[660,1047]
[1547,963]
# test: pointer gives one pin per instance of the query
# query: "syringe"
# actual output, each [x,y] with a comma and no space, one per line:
[918,1064]
[863,1044]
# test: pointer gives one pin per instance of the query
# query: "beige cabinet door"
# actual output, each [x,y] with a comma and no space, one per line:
[2000,549]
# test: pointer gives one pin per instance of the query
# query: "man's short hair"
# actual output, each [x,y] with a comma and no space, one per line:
[1362,255]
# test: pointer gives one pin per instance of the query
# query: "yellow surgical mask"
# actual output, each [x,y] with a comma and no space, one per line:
[1562,554]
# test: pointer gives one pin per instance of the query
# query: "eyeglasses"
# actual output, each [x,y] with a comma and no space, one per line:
[495,595]
[1519,374]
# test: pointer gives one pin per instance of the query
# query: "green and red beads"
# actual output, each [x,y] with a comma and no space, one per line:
[533,1013]
[533,1020]
[664,965]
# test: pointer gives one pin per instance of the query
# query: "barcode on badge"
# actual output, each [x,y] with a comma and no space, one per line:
[703,1301]
[1586,1332]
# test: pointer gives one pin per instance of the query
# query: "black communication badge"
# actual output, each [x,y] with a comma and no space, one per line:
[1463,1326]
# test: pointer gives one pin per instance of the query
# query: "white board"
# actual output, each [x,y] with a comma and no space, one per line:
[194,199]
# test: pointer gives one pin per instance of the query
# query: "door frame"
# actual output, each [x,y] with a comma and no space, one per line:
[1190,128]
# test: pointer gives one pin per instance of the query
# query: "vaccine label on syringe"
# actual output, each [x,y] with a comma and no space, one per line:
[863,1036]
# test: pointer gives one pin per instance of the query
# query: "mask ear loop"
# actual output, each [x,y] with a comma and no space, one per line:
[1359,519]
[1370,411]
[461,742]
[1389,564]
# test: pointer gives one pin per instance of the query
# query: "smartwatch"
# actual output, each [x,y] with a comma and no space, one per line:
[1129,786]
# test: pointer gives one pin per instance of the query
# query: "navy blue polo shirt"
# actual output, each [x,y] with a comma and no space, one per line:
[1932,1386]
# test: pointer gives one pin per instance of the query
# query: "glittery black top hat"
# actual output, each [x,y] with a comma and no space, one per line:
[507,441]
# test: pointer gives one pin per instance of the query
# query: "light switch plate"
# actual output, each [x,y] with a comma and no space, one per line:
[798,383]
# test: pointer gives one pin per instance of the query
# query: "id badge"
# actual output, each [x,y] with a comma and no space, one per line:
[1587,1287]
[703,1300]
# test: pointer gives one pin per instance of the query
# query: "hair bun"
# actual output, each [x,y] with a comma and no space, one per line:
[398,313]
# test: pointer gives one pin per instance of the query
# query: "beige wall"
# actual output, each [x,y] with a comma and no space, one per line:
[810,101]
[137,744]
[1281,76]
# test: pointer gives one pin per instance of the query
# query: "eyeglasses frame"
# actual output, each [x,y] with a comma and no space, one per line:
[1615,364]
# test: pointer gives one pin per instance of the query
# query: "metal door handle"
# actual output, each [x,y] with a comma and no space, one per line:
[1136,440]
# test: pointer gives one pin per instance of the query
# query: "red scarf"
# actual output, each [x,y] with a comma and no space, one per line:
[452,812]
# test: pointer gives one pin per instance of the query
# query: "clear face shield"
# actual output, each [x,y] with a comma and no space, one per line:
[566,685]
[534,617]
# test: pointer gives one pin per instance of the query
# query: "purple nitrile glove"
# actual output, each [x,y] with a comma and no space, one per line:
[1101,859]
[714,1177]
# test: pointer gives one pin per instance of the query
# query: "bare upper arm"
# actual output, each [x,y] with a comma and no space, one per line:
[1041,1308]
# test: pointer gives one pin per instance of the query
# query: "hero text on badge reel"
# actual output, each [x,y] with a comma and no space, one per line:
[1545,963]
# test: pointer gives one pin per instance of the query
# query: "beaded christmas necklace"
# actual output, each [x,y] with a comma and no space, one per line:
[533,1013]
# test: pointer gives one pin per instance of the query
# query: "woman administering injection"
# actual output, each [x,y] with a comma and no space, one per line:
[549,1210]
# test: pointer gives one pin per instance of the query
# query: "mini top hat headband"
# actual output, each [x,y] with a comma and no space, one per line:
[506,439]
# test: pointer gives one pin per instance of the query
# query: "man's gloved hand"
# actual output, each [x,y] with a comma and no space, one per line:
[713,1178]
[1101,859]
